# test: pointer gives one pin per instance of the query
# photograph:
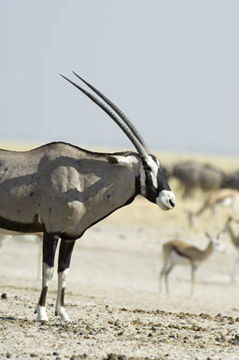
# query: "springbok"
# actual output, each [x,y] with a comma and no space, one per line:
[62,190]
[220,197]
[234,235]
[178,252]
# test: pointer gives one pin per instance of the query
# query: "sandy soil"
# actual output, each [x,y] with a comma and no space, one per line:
[113,295]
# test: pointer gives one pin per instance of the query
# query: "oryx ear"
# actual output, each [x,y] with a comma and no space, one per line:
[127,161]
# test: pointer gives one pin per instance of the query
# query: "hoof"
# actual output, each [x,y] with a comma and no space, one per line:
[41,314]
[61,312]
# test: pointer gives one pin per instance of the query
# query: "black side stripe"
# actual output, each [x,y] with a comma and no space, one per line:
[180,253]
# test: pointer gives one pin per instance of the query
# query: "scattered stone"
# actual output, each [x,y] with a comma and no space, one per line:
[115,357]
[235,340]
[220,338]
[8,355]
[4,296]
[124,357]
[196,328]
[204,316]
[78,357]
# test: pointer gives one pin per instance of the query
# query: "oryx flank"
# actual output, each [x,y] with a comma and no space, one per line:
[62,190]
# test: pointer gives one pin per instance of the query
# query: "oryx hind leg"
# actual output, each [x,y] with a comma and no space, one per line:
[49,248]
[64,259]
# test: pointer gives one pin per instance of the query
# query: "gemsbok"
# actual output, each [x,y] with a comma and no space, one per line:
[234,235]
[62,190]
[178,252]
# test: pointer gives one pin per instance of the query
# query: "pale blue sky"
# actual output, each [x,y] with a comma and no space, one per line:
[172,66]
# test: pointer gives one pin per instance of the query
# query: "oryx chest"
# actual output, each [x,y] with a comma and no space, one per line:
[83,196]
[114,190]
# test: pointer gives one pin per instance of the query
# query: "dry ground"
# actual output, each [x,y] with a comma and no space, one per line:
[113,297]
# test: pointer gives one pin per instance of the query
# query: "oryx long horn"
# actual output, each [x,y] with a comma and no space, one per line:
[139,147]
[114,107]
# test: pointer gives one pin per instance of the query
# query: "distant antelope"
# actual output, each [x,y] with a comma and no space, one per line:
[234,235]
[62,190]
[193,175]
[176,252]
[221,197]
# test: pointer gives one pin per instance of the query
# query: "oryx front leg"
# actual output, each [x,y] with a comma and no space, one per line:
[49,248]
[63,269]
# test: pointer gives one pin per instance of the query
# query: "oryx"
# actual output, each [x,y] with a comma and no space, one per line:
[62,190]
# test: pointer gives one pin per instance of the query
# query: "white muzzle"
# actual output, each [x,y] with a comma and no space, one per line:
[166,200]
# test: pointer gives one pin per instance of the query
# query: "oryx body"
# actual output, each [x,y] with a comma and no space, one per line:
[59,184]
[61,190]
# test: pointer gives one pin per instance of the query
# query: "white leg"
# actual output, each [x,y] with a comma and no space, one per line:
[60,309]
[47,274]
[41,313]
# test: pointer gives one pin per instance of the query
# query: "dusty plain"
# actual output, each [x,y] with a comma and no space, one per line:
[113,293]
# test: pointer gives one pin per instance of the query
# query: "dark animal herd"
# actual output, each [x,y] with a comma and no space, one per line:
[194,175]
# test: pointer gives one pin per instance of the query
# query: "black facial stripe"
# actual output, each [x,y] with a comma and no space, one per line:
[151,191]
[162,181]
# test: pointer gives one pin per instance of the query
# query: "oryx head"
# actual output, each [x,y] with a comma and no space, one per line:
[153,183]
